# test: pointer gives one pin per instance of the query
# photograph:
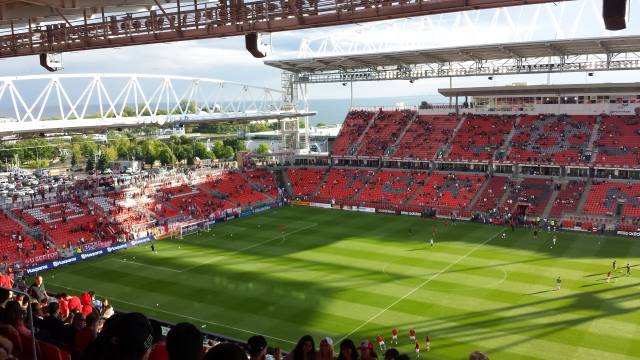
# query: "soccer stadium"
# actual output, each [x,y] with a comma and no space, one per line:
[156,212]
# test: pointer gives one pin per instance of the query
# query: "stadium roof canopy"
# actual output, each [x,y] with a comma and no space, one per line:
[602,88]
[536,49]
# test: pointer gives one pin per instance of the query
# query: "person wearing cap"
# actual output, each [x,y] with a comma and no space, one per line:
[348,350]
[326,349]
[305,350]
[366,350]
[257,348]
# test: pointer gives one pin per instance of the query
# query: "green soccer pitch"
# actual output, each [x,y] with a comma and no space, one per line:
[356,275]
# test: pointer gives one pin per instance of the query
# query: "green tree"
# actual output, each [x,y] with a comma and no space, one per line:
[74,158]
[200,150]
[227,152]
[262,149]
[90,162]
[165,156]
[103,162]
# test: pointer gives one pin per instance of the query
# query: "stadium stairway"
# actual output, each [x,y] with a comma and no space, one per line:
[595,135]
[551,201]
[502,152]
[478,194]
[256,186]
[282,180]
[393,148]
[446,148]
[321,182]
[507,192]
[356,146]
[415,193]
[583,199]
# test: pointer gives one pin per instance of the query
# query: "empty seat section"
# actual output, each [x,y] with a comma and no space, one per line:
[353,126]
[567,199]
[619,141]
[341,184]
[608,197]
[426,137]
[452,191]
[492,194]
[390,188]
[479,137]
[304,181]
[384,132]
[551,139]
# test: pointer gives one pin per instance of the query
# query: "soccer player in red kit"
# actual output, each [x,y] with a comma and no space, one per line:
[427,343]
[394,336]
[412,335]
[417,349]
[380,340]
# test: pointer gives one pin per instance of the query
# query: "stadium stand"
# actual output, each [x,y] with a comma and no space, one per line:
[16,245]
[425,137]
[568,198]
[490,197]
[454,191]
[384,132]
[353,127]
[618,144]
[613,198]
[534,193]
[479,137]
[342,184]
[233,188]
[390,188]
[304,181]
[551,139]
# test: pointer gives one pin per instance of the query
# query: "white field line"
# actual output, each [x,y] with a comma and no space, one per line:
[156,309]
[420,286]
[146,265]
[248,248]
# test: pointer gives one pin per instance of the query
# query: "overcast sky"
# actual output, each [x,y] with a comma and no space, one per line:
[228,60]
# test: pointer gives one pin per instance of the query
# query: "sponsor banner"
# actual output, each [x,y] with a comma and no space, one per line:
[366,209]
[336,207]
[385,211]
[83,256]
[301,203]
[628,233]
[320,205]
[348,208]
[262,208]
[411,213]
[246,213]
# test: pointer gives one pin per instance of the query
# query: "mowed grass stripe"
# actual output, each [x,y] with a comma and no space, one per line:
[324,281]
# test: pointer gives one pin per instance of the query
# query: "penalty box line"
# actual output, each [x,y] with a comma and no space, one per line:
[412,291]
[248,247]
[183,316]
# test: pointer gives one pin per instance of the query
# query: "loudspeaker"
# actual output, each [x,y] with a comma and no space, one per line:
[614,13]
[255,46]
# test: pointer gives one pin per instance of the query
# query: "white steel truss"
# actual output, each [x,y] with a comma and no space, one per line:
[59,103]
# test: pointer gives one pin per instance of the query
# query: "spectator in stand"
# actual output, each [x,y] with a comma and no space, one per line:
[64,305]
[124,337]
[326,349]
[74,326]
[257,347]
[348,350]
[226,351]
[5,294]
[107,310]
[14,316]
[87,302]
[477,355]
[6,348]
[38,317]
[367,351]
[74,303]
[304,350]
[37,290]
[184,342]
[86,335]
[52,329]
[159,349]
[391,354]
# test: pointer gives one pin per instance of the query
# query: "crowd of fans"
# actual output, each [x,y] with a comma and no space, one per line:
[70,327]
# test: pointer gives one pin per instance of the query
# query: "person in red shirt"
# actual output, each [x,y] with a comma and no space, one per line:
[64,305]
[417,349]
[412,335]
[427,343]
[74,304]
[380,341]
[394,336]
